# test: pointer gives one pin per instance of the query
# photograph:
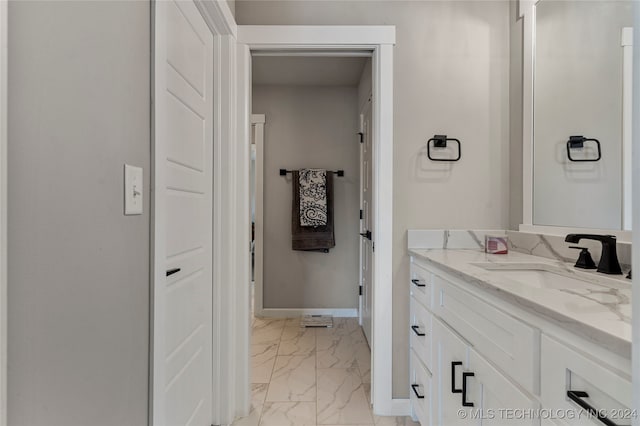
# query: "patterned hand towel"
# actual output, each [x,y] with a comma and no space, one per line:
[311,238]
[313,197]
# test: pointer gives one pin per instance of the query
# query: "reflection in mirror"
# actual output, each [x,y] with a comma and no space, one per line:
[579,90]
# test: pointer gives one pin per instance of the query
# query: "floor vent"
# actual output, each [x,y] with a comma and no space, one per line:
[324,321]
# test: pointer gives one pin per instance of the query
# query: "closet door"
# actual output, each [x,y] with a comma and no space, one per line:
[182,213]
[366,222]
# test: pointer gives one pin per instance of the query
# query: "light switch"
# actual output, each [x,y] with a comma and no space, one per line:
[132,190]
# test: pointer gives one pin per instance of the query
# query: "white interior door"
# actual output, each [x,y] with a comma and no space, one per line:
[366,221]
[183,159]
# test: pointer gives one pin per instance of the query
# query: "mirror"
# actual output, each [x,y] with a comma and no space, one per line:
[582,87]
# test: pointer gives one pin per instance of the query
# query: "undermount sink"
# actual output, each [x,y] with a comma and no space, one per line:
[537,275]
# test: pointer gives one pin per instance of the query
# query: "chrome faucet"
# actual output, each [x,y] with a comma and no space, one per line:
[609,258]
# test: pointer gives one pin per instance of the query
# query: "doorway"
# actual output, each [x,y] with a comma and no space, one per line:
[308,119]
[379,41]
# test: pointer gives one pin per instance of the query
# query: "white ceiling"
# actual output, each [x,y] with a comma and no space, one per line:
[307,70]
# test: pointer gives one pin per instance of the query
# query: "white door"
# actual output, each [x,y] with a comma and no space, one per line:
[366,221]
[450,372]
[503,404]
[182,256]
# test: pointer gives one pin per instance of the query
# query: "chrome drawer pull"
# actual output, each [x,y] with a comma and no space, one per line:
[417,283]
[415,390]
[415,329]
[576,396]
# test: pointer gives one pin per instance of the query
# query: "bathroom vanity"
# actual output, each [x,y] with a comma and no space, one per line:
[515,339]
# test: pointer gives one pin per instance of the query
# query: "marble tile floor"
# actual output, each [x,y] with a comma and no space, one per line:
[311,376]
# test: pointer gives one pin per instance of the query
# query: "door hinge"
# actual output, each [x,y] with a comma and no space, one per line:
[361,137]
[361,213]
[360,291]
[373,247]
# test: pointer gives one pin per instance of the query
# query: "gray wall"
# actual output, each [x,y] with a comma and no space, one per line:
[79,81]
[310,127]
[578,91]
[366,85]
[451,75]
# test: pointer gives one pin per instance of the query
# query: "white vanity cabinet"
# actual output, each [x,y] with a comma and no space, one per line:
[597,385]
[420,342]
[469,389]
[479,360]
[448,374]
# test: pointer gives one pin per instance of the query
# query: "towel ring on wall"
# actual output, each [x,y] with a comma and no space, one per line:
[440,141]
[577,142]
[284,172]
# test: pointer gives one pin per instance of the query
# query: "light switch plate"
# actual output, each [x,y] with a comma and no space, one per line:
[132,190]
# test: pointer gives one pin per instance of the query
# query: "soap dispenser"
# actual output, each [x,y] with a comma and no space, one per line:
[585,261]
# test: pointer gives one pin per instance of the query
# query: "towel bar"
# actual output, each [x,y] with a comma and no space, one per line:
[284,172]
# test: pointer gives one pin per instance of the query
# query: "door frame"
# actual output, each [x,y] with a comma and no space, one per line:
[230,399]
[3,209]
[257,128]
[380,41]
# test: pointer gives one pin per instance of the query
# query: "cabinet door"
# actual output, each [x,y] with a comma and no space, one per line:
[502,402]
[421,393]
[452,361]
[420,336]
[591,381]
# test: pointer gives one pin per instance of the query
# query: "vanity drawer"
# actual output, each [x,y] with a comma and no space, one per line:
[504,340]
[421,285]
[420,332]
[420,382]
[564,369]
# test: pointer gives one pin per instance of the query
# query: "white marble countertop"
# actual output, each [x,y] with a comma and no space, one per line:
[601,314]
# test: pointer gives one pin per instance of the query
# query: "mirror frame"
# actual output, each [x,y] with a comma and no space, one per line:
[527,12]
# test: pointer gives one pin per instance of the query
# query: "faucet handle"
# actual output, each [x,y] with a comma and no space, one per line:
[585,261]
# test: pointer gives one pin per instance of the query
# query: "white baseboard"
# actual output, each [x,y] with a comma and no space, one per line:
[291,313]
[397,407]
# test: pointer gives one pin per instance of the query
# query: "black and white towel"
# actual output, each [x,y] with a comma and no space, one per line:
[313,197]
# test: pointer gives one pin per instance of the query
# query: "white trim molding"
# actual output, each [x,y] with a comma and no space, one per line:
[231,243]
[218,16]
[3,210]
[261,37]
[240,226]
[528,14]
[636,210]
[291,312]
[382,311]
[627,122]
[258,122]
[380,41]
